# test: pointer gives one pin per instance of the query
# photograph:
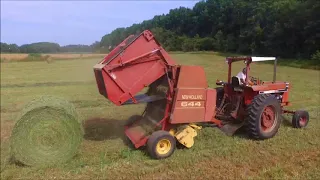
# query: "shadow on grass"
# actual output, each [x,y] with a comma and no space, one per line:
[242,132]
[99,129]
[12,160]
[286,121]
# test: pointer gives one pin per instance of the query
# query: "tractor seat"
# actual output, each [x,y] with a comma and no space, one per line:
[235,82]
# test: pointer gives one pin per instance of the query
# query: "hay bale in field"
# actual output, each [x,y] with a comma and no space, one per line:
[48,132]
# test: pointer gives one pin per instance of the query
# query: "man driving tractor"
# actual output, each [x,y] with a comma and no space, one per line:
[242,77]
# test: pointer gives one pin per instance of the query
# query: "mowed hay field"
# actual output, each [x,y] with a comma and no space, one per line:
[22,56]
[291,154]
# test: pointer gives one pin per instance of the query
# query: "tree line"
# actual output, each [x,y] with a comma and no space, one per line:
[48,47]
[282,28]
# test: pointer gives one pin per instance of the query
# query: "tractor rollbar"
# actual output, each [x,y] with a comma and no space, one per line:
[275,70]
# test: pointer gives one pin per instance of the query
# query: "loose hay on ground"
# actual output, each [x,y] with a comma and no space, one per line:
[48,132]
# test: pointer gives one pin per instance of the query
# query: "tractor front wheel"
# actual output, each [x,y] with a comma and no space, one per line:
[300,119]
[263,119]
[161,144]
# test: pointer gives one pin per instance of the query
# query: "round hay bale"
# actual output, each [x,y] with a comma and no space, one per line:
[47,132]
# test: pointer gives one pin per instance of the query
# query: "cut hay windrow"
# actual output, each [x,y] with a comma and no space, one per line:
[48,132]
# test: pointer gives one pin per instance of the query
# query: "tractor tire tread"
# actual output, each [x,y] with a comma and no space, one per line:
[254,110]
[296,116]
[152,141]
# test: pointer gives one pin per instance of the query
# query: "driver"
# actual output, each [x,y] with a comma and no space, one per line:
[242,77]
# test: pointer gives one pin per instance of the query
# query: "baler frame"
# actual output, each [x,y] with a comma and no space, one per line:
[163,123]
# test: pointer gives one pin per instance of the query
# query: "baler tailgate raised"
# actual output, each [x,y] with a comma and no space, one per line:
[130,67]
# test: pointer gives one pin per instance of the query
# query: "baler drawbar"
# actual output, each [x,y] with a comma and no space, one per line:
[179,100]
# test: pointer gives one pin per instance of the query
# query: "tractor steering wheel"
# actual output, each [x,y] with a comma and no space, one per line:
[255,80]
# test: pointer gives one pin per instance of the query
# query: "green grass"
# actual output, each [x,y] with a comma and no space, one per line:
[292,154]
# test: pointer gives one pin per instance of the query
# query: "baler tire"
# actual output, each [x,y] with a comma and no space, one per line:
[300,119]
[154,140]
[259,105]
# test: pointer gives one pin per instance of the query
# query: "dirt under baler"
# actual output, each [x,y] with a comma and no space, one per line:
[177,97]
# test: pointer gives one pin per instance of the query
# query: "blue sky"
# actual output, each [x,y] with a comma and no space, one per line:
[74,22]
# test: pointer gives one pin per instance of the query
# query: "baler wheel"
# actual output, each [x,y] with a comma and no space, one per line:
[263,119]
[300,119]
[161,144]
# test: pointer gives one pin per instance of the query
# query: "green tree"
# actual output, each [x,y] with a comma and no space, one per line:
[9,48]
[285,28]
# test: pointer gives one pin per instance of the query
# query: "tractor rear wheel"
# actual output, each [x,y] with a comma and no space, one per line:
[263,119]
[161,144]
[300,119]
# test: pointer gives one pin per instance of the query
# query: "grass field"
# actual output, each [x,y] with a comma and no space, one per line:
[292,154]
[21,56]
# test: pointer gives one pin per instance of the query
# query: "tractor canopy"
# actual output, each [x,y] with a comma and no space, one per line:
[248,59]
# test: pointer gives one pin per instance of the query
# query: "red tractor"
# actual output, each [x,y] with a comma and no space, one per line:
[179,101]
[257,105]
